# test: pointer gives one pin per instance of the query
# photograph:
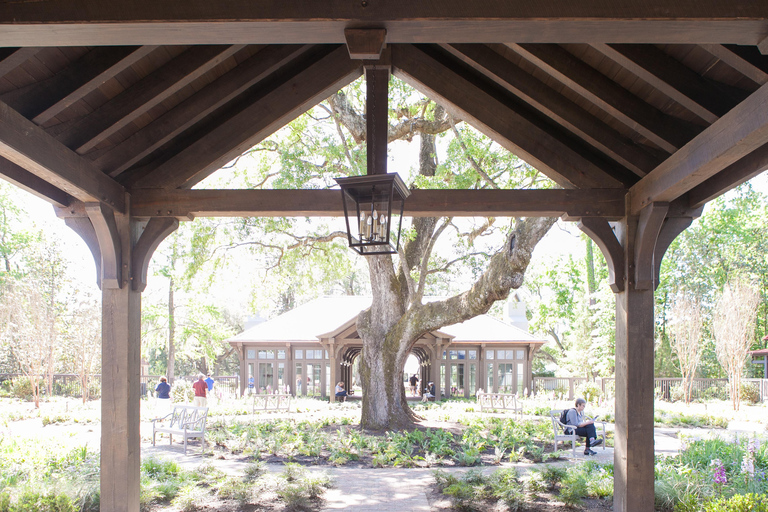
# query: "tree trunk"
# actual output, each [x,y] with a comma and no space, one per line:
[171,333]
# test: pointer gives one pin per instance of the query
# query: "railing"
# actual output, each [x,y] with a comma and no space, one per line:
[564,387]
[69,385]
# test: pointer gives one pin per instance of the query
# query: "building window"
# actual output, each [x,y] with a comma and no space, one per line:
[489,355]
[520,354]
[472,354]
[298,354]
[281,354]
[250,354]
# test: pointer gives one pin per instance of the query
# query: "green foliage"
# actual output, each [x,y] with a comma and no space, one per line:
[739,503]
[590,391]
[750,393]
[182,392]
[21,387]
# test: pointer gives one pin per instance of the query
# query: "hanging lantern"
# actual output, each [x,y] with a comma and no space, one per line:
[373,206]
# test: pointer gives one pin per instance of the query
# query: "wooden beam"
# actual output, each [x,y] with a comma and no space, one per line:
[556,106]
[733,57]
[733,136]
[40,101]
[28,146]
[11,58]
[704,98]
[90,22]
[24,179]
[255,121]
[377,118]
[85,133]
[732,176]
[186,204]
[83,227]
[667,132]
[197,107]
[365,43]
[564,162]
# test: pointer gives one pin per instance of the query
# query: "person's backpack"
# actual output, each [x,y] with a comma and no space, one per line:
[564,417]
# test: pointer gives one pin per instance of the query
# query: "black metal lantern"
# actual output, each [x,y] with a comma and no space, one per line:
[373,204]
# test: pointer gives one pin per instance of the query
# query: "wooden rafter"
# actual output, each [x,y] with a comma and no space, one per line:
[732,137]
[197,107]
[556,106]
[93,22]
[33,184]
[187,204]
[40,101]
[530,138]
[252,122]
[85,133]
[665,131]
[753,66]
[11,58]
[28,146]
[676,81]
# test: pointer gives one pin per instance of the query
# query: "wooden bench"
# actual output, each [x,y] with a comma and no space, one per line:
[271,403]
[186,421]
[560,430]
[501,401]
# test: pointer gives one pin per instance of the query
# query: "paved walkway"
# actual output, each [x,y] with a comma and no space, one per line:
[385,489]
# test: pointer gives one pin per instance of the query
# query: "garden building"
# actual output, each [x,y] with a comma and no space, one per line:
[307,350]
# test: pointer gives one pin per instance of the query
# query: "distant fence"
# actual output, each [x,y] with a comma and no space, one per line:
[69,385]
[663,386]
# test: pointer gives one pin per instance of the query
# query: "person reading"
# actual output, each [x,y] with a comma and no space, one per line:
[585,427]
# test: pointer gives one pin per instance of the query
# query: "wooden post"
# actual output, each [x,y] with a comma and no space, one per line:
[634,450]
[120,360]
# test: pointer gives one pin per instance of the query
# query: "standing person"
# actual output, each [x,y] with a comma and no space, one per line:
[209,382]
[414,381]
[201,389]
[585,427]
[341,393]
[163,395]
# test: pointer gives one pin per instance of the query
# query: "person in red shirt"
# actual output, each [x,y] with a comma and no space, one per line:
[201,388]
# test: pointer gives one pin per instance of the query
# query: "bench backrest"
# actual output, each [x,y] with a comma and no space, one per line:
[194,417]
[556,425]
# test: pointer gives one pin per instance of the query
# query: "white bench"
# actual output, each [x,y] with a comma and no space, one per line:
[271,403]
[498,401]
[560,430]
[186,421]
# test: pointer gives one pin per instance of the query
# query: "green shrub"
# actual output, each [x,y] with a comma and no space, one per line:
[715,392]
[590,391]
[31,501]
[21,388]
[677,394]
[750,393]
[182,392]
[739,503]
[553,475]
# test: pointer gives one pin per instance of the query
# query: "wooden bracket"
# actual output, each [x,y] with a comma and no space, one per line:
[103,221]
[83,227]
[365,43]
[154,233]
[648,228]
[600,231]
[673,225]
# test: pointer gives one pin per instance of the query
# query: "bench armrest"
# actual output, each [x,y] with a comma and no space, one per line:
[161,418]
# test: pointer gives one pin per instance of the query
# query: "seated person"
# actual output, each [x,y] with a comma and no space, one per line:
[429,392]
[584,427]
[341,393]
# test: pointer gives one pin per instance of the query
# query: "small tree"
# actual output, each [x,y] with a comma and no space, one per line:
[685,334]
[734,326]
[84,343]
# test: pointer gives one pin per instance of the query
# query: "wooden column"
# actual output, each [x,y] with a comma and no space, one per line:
[633,249]
[112,237]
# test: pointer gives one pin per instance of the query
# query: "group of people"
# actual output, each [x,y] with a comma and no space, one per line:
[202,387]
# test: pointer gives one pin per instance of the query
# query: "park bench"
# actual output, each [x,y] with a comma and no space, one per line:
[500,401]
[560,430]
[271,403]
[186,421]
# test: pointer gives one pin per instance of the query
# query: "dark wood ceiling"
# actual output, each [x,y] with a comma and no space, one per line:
[670,107]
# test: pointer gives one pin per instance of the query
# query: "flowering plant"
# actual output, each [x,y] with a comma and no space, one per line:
[719,476]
